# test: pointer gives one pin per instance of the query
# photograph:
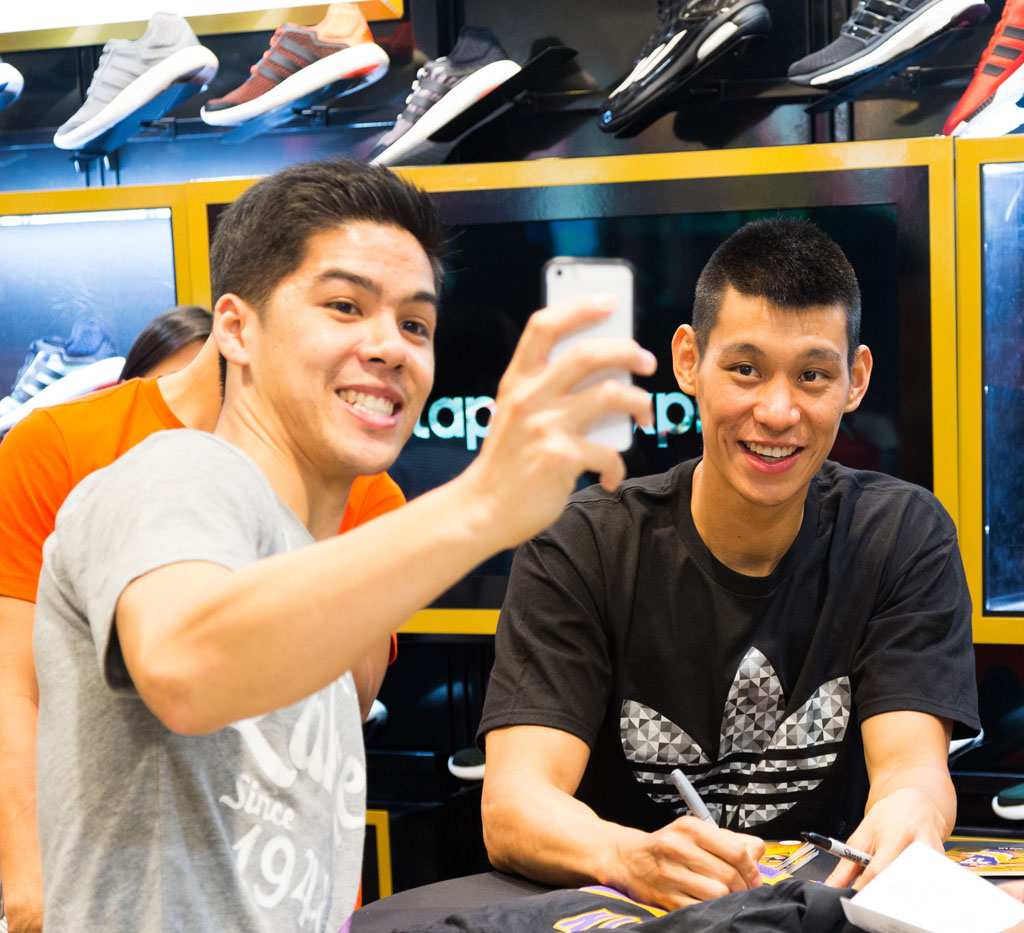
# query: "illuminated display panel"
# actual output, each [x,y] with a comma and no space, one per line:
[500,238]
[116,266]
[65,23]
[1003,387]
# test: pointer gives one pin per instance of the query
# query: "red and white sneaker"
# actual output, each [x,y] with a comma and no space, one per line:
[991,104]
[302,60]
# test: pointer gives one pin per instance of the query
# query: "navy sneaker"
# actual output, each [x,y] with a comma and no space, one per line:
[878,31]
[443,89]
[690,35]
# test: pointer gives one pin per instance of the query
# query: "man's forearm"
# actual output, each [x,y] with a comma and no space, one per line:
[543,833]
[206,666]
[20,866]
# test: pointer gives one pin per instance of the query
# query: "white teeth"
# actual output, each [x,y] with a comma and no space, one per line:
[764,451]
[371,404]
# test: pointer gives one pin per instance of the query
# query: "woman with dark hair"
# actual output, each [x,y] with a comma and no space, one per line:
[167,343]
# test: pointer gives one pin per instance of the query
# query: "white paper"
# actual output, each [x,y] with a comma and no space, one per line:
[922,891]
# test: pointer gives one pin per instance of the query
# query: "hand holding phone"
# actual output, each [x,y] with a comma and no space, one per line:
[566,278]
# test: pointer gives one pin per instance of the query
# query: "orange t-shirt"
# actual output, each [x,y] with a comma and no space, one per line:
[51,450]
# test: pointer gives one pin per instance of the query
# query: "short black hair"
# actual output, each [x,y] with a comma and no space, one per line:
[165,334]
[263,235]
[790,263]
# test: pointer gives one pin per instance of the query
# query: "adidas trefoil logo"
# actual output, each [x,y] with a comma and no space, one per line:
[763,761]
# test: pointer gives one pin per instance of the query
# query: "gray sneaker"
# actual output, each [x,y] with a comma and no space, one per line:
[132,73]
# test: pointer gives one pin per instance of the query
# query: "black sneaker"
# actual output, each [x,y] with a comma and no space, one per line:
[444,88]
[1009,803]
[690,35]
[876,32]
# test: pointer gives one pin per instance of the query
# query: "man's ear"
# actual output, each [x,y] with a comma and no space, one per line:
[860,377]
[232,318]
[685,358]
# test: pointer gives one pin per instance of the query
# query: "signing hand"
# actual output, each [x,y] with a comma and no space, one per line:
[687,861]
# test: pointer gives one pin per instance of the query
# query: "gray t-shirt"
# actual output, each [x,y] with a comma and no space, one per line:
[256,827]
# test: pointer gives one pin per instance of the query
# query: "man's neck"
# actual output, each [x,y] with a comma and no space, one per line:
[317,500]
[748,538]
[193,394]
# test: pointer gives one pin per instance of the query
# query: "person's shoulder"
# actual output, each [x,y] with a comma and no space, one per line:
[881,497]
[637,501]
[96,407]
[655,487]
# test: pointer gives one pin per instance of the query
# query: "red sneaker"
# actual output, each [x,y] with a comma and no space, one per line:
[302,60]
[991,104]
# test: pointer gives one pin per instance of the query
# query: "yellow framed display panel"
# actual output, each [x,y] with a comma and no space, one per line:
[112,199]
[380,820]
[971,156]
[213,24]
[936,154]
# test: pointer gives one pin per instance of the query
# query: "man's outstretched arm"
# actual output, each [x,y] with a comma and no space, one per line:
[534,826]
[198,639]
[912,796]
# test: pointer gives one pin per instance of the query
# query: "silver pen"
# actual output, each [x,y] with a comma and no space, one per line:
[689,793]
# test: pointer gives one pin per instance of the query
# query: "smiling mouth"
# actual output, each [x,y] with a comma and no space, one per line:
[769,454]
[370,404]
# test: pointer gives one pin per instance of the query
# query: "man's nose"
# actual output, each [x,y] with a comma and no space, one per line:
[384,341]
[776,407]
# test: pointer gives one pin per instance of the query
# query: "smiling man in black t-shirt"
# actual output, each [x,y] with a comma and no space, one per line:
[794,635]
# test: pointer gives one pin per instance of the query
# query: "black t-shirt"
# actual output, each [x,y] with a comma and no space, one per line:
[623,629]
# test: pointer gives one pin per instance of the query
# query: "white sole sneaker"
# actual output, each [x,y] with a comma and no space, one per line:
[195,64]
[367,57]
[459,99]
[902,40]
[1002,114]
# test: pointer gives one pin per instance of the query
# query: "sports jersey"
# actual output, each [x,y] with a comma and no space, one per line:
[622,628]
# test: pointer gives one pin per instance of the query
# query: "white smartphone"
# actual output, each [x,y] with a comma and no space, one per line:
[566,277]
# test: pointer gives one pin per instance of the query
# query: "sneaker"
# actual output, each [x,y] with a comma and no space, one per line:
[467,764]
[878,31]
[444,88]
[301,61]
[1009,803]
[53,358]
[690,35]
[88,378]
[131,73]
[991,104]
[11,84]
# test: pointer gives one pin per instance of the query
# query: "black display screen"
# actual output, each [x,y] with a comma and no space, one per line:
[499,241]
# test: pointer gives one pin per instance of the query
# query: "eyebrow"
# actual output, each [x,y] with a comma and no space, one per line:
[373,287]
[812,353]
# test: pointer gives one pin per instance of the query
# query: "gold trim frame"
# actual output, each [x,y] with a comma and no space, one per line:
[213,24]
[112,199]
[380,820]
[971,155]
[934,154]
